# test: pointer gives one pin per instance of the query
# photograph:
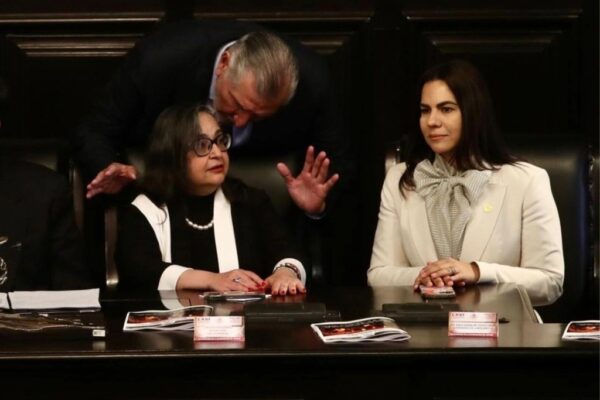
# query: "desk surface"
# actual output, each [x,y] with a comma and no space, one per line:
[521,333]
[282,350]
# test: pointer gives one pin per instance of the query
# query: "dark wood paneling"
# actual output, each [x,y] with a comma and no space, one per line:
[530,57]
[519,66]
[55,77]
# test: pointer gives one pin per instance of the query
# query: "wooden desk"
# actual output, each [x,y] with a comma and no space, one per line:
[528,360]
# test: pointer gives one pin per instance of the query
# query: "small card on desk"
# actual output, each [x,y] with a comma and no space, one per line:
[218,328]
[479,324]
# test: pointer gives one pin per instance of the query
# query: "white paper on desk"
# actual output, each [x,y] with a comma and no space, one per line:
[4,301]
[44,300]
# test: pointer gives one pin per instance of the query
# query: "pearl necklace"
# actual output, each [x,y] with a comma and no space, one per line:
[200,227]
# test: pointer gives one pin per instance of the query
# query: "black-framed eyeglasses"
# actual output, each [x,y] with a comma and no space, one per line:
[203,145]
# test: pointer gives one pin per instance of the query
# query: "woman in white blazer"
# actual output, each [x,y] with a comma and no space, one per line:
[461,210]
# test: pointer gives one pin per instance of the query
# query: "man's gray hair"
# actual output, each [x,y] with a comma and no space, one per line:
[270,59]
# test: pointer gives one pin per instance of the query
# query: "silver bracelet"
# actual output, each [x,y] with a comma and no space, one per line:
[290,266]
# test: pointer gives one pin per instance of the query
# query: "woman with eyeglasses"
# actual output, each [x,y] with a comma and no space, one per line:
[193,227]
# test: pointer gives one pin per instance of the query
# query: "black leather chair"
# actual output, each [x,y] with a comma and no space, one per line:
[568,162]
[50,153]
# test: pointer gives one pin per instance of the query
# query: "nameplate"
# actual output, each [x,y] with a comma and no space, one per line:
[218,328]
[478,324]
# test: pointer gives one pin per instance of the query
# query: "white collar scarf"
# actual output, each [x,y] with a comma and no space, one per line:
[448,196]
[158,217]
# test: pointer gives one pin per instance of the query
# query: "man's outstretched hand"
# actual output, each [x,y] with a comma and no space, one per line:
[310,188]
[111,179]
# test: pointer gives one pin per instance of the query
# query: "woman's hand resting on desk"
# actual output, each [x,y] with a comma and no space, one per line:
[284,281]
[237,279]
[447,272]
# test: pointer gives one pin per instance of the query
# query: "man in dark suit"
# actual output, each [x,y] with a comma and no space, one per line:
[277,95]
[39,241]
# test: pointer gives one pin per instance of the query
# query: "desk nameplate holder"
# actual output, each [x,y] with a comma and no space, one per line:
[474,324]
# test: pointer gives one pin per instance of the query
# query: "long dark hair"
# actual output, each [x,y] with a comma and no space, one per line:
[480,145]
[166,158]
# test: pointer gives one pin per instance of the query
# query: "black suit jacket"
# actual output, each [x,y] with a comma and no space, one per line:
[260,237]
[36,210]
[176,65]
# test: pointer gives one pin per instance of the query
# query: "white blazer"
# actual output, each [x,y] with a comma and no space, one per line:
[513,235]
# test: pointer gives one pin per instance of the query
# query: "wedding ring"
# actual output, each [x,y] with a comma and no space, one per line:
[237,280]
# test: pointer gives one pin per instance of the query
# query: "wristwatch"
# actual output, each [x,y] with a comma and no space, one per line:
[290,266]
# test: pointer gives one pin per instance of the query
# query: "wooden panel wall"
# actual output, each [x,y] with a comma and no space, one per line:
[540,59]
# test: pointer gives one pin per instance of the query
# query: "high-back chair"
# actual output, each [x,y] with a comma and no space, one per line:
[50,153]
[568,163]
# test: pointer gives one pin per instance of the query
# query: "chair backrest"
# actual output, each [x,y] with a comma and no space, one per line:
[49,153]
[261,172]
[567,161]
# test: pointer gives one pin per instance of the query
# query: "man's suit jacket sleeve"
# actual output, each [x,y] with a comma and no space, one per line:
[329,136]
[100,136]
[328,131]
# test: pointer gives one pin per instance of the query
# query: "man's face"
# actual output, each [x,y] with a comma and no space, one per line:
[239,102]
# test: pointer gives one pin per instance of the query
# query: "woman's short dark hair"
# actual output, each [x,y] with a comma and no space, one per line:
[480,146]
[166,158]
